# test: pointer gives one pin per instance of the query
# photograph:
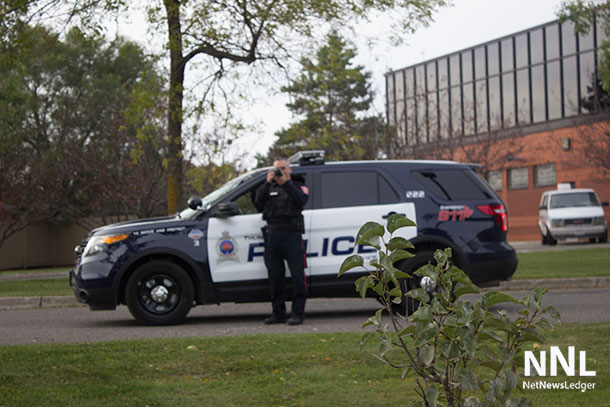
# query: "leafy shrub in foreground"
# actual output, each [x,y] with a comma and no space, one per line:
[463,352]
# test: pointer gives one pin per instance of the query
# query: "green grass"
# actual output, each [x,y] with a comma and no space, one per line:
[258,370]
[564,264]
[41,271]
[35,288]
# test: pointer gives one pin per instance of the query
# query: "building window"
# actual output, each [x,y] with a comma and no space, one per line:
[518,178]
[494,179]
[544,175]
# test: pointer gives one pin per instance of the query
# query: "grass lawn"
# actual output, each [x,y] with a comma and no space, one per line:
[593,262]
[257,370]
[35,288]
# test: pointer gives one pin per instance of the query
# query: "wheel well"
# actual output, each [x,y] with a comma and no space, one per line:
[424,246]
[174,259]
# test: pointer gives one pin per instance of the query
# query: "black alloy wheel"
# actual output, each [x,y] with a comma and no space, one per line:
[159,293]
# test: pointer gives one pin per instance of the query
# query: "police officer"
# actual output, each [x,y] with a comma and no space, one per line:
[281,200]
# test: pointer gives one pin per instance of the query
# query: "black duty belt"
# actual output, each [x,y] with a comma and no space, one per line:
[291,226]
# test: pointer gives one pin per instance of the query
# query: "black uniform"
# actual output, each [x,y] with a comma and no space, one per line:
[281,207]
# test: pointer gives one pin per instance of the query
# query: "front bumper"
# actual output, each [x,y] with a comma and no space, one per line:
[92,292]
[567,232]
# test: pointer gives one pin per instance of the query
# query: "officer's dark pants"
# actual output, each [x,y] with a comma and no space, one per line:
[280,246]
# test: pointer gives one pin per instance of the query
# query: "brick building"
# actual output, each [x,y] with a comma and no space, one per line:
[527,107]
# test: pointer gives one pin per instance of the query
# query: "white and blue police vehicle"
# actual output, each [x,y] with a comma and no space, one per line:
[212,252]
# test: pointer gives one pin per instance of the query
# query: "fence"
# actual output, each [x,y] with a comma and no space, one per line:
[43,244]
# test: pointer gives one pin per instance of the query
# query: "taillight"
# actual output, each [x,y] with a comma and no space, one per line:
[498,212]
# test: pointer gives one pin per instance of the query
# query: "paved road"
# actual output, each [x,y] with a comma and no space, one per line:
[78,324]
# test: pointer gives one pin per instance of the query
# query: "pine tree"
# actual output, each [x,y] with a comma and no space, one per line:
[333,100]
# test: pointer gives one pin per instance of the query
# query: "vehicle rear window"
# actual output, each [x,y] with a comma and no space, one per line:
[454,185]
[577,199]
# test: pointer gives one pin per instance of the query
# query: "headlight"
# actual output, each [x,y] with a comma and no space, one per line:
[557,223]
[599,221]
[98,243]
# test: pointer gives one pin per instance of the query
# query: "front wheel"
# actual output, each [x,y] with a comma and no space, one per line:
[551,241]
[159,293]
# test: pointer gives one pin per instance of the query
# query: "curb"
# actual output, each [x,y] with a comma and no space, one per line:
[555,283]
[22,303]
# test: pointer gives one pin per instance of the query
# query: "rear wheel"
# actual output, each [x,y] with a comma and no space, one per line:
[159,293]
[604,238]
[408,305]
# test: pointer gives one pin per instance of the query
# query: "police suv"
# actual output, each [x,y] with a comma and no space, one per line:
[212,252]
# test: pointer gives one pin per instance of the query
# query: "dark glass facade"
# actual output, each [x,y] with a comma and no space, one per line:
[535,76]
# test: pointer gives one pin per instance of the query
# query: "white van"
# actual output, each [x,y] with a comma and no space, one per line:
[571,213]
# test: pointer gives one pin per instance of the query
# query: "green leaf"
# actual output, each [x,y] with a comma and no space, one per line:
[408,331]
[493,297]
[426,336]
[491,321]
[441,256]
[426,355]
[365,338]
[363,284]
[370,235]
[351,262]
[463,289]
[488,334]
[432,396]
[510,381]
[396,292]
[419,294]
[398,255]
[422,314]
[399,243]
[468,380]
[553,313]
[397,221]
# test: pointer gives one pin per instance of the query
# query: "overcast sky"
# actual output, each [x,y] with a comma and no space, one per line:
[465,24]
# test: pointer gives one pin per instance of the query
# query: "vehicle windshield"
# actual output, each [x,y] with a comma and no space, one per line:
[211,198]
[577,199]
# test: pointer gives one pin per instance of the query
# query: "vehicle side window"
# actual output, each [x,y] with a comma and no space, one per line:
[245,202]
[344,189]
[545,201]
[454,185]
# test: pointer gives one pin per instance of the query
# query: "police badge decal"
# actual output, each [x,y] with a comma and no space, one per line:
[226,247]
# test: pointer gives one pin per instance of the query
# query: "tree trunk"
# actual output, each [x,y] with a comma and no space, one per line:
[174,115]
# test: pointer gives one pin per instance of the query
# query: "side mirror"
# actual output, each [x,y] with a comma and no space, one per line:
[194,203]
[541,207]
[604,203]
[225,209]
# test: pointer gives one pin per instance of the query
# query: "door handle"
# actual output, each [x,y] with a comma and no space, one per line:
[387,215]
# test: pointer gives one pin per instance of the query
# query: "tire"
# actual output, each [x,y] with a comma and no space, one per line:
[604,238]
[408,305]
[159,293]
[543,239]
[549,239]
